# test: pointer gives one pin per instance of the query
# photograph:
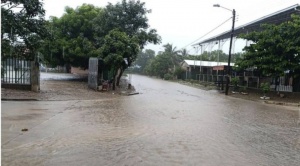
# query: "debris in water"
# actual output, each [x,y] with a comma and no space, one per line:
[24,129]
[135,93]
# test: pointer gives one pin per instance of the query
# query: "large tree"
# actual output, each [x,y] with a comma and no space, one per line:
[118,52]
[76,35]
[276,49]
[129,17]
[22,27]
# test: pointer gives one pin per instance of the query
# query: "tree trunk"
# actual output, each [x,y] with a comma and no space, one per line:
[276,82]
[119,75]
[114,84]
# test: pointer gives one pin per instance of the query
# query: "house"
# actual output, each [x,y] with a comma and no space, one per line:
[208,71]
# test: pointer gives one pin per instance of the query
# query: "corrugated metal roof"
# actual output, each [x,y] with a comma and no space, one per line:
[274,18]
[206,63]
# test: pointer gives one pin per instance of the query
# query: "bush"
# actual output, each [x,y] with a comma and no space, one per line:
[178,72]
[168,76]
[265,87]
[235,81]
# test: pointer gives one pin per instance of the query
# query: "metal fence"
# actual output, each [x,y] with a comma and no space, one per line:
[16,71]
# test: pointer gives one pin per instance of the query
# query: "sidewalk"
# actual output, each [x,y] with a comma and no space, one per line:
[62,87]
[290,99]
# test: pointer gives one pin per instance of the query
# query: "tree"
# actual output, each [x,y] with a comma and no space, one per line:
[118,52]
[76,35]
[128,17]
[22,27]
[173,54]
[143,58]
[276,49]
[159,66]
[184,52]
[53,47]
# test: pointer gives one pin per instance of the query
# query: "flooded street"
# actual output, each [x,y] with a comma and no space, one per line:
[165,124]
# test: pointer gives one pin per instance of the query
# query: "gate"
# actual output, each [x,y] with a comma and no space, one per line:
[16,71]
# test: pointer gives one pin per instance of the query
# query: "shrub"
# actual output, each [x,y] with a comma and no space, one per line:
[168,76]
[235,81]
[265,87]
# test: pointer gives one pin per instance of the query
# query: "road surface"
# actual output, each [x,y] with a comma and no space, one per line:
[165,124]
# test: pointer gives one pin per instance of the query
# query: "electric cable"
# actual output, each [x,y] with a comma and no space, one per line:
[207,33]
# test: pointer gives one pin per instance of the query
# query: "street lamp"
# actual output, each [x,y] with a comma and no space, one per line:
[230,46]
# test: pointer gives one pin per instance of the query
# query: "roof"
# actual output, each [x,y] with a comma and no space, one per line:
[205,63]
[274,18]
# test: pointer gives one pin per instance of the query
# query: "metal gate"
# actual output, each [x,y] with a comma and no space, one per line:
[16,71]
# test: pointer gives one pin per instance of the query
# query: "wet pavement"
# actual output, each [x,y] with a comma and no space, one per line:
[165,124]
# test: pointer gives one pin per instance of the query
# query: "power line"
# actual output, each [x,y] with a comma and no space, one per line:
[207,33]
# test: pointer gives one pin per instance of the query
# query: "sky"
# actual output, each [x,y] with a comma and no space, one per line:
[182,22]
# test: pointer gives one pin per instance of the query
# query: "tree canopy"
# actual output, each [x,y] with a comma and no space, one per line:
[22,27]
[72,38]
[80,33]
[129,17]
[276,49]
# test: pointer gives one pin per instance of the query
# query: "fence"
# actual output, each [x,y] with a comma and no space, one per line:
[16,71]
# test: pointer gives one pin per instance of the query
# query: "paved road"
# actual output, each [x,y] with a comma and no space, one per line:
[166,124]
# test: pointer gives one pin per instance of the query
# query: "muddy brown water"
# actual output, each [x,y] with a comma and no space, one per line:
[165,124]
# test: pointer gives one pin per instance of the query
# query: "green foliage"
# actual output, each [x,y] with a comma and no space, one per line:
[80,33]
[178,72]
[129,17]
[22,27]
[235,81]
[216,55]
[276,49]
[72,39]
[168,76]
[119,50]
[173,53]
[143,58]
[265,87]
[159,66]
[184,52]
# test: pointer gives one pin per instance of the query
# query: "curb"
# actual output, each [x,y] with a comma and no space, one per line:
[283,103]
[6,99]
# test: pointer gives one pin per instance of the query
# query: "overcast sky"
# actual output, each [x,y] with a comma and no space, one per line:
[180,22]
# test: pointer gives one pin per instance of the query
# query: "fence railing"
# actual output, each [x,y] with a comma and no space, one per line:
[15,71]
[282,88]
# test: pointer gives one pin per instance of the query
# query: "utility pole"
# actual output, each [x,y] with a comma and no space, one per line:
[229,56]
[230,46]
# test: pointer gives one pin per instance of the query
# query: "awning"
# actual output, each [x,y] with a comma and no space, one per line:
[219,67]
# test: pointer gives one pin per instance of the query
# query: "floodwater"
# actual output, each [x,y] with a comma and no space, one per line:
[166,124]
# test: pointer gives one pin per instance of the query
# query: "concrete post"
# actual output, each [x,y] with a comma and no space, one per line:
[35,76]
